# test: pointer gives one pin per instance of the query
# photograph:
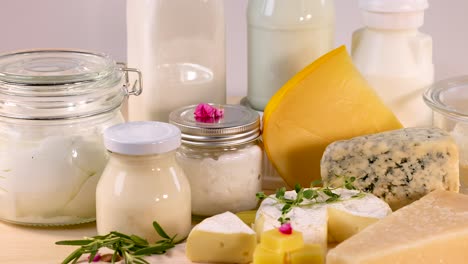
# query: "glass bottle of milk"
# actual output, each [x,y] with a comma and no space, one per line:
[395,57]
[180,47]
[284,36]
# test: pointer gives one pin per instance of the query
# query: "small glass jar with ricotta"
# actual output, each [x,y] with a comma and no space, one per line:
[222,158]
[54,107]
[142,182]
[448,100]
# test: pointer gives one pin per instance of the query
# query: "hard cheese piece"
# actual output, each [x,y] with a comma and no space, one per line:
[431,230]
[398,166]
[309,254]
[327,101]
[221,238]
[312,220]
[276,241]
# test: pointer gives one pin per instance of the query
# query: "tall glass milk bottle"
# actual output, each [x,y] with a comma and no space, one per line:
[179,46]
[395,57]
[284,36]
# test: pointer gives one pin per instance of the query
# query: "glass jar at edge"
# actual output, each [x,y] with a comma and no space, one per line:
[55,105]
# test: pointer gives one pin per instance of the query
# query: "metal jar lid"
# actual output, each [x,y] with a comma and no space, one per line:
[239,125]
[449,97]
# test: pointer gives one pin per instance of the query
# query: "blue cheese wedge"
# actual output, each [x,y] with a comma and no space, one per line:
[315,222]
[221,238]
[398,166]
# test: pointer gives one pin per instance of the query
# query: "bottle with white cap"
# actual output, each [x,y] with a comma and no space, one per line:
[395,57]
[143,183]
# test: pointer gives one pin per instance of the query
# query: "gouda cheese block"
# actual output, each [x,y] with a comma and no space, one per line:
[327,101]
[431,230]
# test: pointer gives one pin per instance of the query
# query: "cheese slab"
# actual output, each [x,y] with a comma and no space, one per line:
[398,166]
[329,100]
[221,238]
[313,220]
[431,230]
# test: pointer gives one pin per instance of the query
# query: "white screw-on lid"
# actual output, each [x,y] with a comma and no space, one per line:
[393,14]
[393,6]
[142,138]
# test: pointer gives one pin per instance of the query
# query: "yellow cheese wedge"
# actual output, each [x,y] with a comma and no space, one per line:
[327,101]
[431,230]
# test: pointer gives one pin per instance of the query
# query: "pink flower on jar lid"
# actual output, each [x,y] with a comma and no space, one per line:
[286,229]
[208,113]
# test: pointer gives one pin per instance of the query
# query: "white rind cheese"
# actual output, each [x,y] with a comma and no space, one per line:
[312,220]
[399,166]
[221,238]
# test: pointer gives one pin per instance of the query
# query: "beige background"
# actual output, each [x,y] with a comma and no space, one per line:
[100,25]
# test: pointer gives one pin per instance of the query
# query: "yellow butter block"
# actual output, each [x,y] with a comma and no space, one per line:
[309,254]
[264,256]
[276,241]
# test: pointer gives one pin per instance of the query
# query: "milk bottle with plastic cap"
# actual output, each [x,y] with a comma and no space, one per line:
[284,36]
[395,57]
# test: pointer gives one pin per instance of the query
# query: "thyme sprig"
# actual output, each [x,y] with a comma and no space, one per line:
[311,196]
[131,248]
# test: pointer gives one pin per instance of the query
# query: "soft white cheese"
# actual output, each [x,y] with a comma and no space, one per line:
[312,220]
[221,238]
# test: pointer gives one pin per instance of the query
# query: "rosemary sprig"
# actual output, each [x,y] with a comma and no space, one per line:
[131,248]
[309,197]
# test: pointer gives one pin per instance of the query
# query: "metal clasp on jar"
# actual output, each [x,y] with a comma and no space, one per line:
[137,87]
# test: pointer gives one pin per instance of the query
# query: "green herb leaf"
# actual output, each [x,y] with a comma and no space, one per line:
[160,231]
[138,240]
[308,194]
[261,195]
[73,242]
[280,192]
[316,183]
[297,187]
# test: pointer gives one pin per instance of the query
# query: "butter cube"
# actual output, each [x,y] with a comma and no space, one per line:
[309,254]
[264,256]
[276,241]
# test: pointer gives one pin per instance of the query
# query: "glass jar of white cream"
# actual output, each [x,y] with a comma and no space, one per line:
[222,158]
[54,107]
[142,182]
